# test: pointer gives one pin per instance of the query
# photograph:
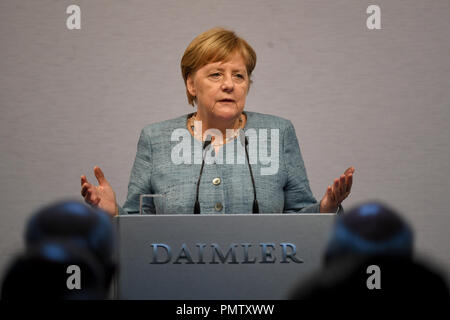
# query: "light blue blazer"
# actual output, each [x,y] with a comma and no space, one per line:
[226,186]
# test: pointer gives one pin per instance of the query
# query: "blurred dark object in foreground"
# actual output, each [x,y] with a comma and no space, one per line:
[372,234]
[399,278]
[56,237]
[41,273]
[86,227]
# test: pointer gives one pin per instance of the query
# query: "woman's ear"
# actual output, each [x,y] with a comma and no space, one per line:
[191,86]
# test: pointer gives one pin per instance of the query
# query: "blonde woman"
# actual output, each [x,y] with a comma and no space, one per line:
[217,67]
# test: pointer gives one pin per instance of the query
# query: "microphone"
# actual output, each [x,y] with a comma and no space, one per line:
[244,142]
[206,144]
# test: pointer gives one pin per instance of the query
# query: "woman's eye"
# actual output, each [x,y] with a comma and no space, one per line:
[215,75]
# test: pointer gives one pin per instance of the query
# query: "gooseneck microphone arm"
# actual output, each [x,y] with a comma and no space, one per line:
[255,201]
[197,204]
[207,143]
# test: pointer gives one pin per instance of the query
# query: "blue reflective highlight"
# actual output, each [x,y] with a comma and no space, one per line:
[369,209]
[344,240]
[75,208]
[54,252]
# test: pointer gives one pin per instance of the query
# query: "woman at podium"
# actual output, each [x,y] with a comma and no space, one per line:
[219,158]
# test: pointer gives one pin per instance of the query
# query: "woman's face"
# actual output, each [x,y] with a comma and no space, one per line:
[220,88]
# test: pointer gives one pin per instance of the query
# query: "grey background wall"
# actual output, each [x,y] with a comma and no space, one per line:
[374,99]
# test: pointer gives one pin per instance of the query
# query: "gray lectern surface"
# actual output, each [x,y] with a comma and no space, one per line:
[208,257]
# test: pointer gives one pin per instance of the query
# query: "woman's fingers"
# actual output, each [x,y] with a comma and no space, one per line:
[83,180]
[342,186]
[89,193]
[340,189]
[349,179]
[349,170]
[84,188]
[336,189]
[100,176]
[330,194]
[349,182]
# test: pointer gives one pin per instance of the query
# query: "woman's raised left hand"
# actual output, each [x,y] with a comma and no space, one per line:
[337,192]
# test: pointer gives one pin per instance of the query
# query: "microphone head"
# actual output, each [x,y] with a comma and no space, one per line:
[243,138]
[207,141]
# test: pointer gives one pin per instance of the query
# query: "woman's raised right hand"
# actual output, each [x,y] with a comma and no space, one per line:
[102,196]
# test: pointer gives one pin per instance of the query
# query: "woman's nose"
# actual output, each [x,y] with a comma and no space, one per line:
[227,83]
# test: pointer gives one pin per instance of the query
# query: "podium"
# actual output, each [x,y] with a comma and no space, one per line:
[210,257]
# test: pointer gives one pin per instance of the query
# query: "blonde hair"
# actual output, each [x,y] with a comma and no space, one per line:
[217,44]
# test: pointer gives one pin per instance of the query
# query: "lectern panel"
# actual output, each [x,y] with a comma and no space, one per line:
[217,256]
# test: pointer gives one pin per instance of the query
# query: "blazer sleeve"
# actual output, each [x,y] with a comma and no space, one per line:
[140,178]
[298,197]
